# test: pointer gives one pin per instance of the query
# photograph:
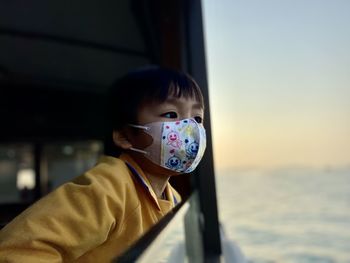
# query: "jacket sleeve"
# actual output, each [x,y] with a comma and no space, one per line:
[62,226]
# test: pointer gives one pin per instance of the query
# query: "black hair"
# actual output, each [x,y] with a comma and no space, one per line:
[147,84]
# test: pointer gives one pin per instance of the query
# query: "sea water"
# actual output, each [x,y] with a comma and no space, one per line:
[299,215]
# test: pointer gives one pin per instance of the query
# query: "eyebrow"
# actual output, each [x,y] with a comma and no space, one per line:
[174,101]
[198,106]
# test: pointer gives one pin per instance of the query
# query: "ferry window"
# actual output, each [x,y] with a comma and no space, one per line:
[66,160]
[17,176]
[279,83]
[60,162]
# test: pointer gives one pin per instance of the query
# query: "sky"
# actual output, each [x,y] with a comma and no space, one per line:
[279,82]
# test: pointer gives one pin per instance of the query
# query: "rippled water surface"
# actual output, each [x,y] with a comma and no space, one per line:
[288,215]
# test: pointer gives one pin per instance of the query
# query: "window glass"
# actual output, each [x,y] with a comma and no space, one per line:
[17,175]
[279,84]
[60,162]
[65,160]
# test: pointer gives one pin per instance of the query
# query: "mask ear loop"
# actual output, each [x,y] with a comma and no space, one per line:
[138,150]
[143,128]
[139,127]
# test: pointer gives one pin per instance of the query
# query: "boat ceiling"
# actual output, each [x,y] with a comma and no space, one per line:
[85,43]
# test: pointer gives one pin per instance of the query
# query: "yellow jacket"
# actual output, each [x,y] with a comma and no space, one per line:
[91,219]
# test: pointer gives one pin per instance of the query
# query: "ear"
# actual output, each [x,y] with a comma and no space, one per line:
[121,140]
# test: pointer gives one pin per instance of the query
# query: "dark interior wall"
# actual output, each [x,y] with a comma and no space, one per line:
[33,112]
[80,42]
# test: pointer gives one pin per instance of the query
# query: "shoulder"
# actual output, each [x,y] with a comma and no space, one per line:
[108,170]
[109,179]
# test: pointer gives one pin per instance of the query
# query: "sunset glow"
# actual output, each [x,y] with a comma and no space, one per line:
[279,82]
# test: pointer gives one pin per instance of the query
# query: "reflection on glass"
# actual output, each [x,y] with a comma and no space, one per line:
[26,184]
[25,179]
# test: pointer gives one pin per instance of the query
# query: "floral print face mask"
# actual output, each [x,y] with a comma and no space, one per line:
[177,145]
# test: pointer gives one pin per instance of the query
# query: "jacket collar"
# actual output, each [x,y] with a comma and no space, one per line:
[143,180]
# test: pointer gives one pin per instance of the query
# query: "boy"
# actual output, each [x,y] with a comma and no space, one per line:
[156,129]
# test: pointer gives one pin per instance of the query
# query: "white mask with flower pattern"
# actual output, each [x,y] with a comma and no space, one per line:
[177,145]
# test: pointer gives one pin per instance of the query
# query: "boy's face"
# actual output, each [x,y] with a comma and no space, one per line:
[172,109]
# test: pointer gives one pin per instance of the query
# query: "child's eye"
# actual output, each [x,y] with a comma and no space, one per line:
[170,115]
[198,119]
